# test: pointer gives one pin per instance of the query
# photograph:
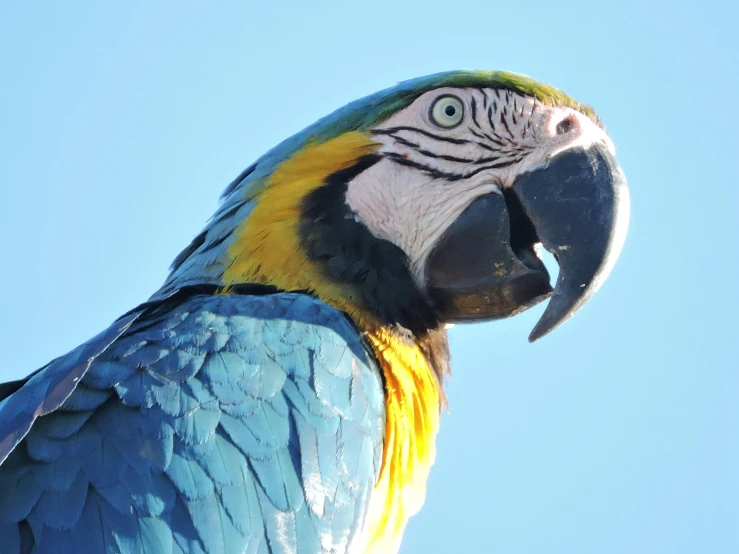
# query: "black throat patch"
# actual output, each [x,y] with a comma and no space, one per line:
[376,270]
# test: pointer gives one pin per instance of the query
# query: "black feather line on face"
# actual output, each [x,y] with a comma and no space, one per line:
[437,174]
[394,130]
[474,112]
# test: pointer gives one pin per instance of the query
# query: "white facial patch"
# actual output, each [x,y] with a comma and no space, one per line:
[401,204]
[431,171]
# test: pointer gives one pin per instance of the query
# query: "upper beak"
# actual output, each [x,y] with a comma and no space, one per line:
[485,266]
[579,206]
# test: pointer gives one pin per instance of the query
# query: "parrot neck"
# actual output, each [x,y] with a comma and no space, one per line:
[299,237]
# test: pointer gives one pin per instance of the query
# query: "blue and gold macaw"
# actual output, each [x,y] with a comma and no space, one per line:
[281,392]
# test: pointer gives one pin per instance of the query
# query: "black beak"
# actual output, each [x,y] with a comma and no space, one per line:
[485,266]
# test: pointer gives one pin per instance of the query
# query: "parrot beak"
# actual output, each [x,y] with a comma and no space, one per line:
[486,266]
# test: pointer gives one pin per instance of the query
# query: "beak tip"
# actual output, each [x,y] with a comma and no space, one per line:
[535,335]
[561,307]
[541,329]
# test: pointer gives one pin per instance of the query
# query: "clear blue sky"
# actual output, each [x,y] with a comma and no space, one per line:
[121,123]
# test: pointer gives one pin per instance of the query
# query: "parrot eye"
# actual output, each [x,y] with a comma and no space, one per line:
[447,111]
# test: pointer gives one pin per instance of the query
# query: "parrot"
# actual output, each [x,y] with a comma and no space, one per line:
[281,393]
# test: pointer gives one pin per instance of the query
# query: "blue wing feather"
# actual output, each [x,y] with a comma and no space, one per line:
[51,386]
[228,424]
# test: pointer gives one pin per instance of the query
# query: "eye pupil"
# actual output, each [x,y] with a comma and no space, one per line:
[450,110]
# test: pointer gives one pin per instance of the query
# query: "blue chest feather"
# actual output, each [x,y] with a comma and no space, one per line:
[229,424]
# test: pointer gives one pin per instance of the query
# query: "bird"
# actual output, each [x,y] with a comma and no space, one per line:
[281,392]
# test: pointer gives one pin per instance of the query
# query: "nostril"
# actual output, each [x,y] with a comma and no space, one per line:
[565,126]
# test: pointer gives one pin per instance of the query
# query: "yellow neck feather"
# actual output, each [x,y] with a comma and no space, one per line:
[412,421]
[267,250]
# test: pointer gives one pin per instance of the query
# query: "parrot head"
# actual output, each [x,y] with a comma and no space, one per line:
[428,203]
